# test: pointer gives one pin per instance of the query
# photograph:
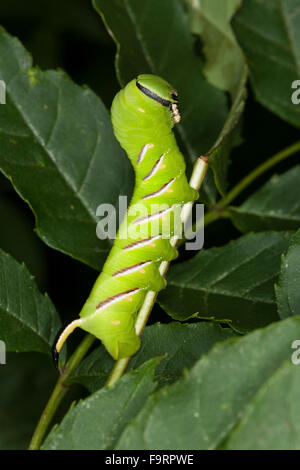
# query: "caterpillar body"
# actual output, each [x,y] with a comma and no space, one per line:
[143,115]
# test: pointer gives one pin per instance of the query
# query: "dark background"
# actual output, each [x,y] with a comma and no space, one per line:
[70,35]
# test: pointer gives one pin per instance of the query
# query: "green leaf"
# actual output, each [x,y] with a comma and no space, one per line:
[287,290]
[201,409]
[275,206]
[220,152]
[182,344]
[210,19]
[26,381]
[58,149]
[154,37]
[233,283]
[97,422]
[268,32]
[28,319]
[225,68]
[271,421]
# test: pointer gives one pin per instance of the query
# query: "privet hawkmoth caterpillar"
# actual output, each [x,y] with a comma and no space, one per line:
[143,115]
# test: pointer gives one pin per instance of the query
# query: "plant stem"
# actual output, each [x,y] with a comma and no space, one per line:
[59,392]
[199,172]
[62,386]
[258,171]
[218,210]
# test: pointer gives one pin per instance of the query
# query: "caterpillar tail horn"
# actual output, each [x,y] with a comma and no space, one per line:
[61,337]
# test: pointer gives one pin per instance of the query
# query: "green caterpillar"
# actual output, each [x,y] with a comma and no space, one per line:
[143,115]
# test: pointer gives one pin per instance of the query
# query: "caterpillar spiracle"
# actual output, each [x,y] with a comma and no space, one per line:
[143,115]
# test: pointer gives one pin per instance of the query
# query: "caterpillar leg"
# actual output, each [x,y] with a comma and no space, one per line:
[61,337]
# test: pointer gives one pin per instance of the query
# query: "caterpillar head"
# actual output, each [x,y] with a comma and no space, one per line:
[161,91]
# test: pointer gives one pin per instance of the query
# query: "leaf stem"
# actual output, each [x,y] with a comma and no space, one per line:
[258,171]
[59,392]
[198,174]
[219,210]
